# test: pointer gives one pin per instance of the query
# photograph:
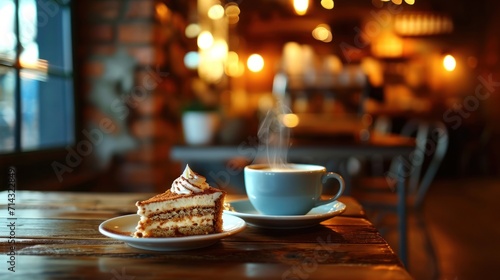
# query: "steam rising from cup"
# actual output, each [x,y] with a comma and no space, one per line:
[274,137]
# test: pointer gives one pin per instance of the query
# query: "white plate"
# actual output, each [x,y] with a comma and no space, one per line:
[245,210]
[123,227]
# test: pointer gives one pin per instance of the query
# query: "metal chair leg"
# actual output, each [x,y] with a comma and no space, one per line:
[402,216]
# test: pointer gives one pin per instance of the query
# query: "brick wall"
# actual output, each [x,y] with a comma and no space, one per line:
[152,38]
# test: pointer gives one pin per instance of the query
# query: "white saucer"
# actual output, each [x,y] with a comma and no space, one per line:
[123,227]
[245,210]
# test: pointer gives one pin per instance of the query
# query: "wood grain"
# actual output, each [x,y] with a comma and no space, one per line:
[57,237]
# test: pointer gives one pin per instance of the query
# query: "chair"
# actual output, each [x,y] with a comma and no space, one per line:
[381,195]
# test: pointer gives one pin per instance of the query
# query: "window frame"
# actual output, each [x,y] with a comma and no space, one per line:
[34,166]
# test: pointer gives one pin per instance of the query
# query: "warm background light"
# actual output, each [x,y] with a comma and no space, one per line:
[255,63]
[205,40]
[234,67]
[327,4]
[323,33]
[233,13]
[210,69]
[449,63]
[192,30]
[216,12]
[300,6]
[290,120]
[219,50]
[417,24]
[387,44]
[162,12]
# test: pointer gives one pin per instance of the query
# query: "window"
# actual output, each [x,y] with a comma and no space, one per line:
[36,76]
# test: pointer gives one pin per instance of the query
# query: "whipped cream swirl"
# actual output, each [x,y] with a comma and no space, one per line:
[189,182]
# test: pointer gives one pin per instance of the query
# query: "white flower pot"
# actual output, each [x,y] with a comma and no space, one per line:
[200,128]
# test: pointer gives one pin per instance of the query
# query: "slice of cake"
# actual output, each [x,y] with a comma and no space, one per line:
[189,207]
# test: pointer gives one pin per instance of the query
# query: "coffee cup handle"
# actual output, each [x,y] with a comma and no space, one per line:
[327,177]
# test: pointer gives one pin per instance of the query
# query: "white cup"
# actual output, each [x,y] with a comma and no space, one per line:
[293,190]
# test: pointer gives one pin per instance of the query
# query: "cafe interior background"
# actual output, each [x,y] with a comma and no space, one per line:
[93,93]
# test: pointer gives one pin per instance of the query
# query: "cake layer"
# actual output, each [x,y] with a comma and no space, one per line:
[179,226]
[179,214]
[206,220]
[182,231]
[198,200]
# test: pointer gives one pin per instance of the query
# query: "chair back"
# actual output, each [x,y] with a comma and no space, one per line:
[431,145]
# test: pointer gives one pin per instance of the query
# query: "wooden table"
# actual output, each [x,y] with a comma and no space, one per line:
[56,236]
